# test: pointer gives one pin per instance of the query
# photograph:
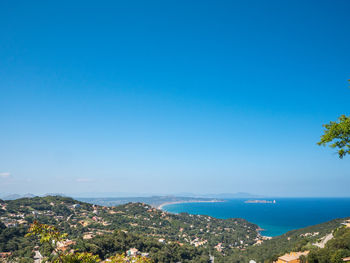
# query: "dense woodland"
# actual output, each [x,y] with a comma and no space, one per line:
[165,237]
[335,249]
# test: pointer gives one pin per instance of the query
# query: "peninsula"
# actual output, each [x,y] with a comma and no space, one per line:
[260,202]
[189,201]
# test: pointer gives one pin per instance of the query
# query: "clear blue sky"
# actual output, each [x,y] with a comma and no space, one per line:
[172,96]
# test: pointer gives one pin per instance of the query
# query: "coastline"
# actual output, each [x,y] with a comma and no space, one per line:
[160,207]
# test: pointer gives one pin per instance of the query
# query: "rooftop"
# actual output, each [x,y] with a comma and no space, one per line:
[293,255]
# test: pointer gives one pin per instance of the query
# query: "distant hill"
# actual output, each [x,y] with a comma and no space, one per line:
[134,197]
[17,196]
[222,195]
[233,195]
[54,194]
[154,201]
[28,195]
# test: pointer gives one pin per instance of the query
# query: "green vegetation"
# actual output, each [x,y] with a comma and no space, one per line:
[51,237]
[163,237]
[118,242]
[13,240]
[105,231]
[335,249]
[337,135]
[295,240]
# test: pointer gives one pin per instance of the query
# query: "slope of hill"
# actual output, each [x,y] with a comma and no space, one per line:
[295,240]
[166,237]
[83,221]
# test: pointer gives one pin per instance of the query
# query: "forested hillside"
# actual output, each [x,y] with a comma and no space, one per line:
[139,225]
[164,237]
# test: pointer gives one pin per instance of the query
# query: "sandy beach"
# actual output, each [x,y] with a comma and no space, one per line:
[191,201]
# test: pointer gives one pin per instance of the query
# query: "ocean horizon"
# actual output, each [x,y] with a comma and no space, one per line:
[274,218]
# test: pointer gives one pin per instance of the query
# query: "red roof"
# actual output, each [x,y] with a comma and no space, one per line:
[5,254]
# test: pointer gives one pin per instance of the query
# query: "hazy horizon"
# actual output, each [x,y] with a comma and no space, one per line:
[173,97]
[141,195]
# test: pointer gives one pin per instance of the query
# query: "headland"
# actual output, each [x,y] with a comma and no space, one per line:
[188,201]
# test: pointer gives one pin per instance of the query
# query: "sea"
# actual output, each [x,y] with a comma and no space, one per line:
[275,218]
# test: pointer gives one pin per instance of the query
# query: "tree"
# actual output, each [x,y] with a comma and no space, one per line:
[337,135]
[50,236]
[302,259]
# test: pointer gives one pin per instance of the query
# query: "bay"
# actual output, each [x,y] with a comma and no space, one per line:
[275,218]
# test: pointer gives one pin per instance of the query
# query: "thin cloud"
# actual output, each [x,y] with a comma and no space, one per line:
[5,175]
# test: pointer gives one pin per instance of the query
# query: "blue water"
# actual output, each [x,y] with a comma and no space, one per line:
[276,219]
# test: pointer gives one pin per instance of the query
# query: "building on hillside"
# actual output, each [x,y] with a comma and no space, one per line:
[64,245]
[219,247]
[22,222]
[75,206]
[88,235]
[292,257]
[132,252]
[346,259]
[5,254]
[347,223]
